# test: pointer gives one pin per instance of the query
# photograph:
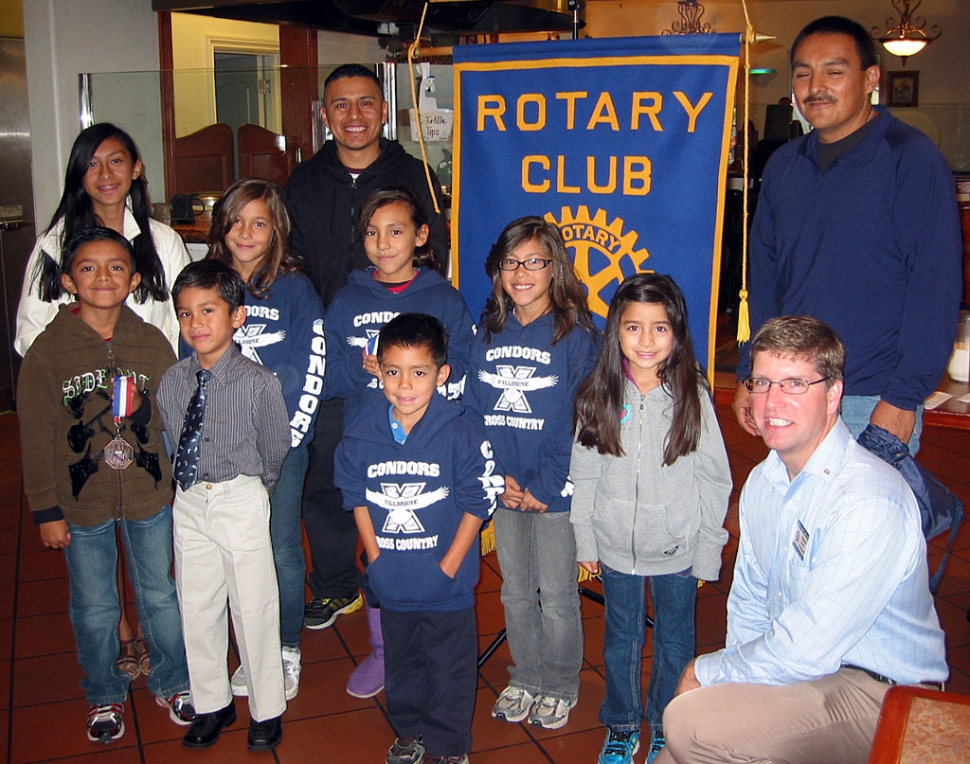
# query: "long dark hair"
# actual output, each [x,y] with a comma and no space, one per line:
[566,295]
[278,258]
[599,401]
[424,256]
[77,212]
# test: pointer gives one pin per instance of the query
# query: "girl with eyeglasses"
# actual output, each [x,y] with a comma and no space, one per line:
[536,344]
[652,483]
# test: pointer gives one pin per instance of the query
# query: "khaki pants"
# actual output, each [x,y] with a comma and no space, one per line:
[829,721]
[224,556]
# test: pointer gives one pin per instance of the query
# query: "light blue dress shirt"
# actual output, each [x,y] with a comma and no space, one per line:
[831,570]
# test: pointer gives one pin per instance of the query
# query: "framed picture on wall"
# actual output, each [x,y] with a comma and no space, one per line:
[903,88]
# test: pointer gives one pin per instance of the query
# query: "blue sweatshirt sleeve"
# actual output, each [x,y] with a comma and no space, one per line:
[556,448]
[928,232]
[479,475]
[461,334]
[346,377]
[347,474]
[305,363]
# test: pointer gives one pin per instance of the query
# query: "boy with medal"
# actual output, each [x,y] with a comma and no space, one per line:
[94,460]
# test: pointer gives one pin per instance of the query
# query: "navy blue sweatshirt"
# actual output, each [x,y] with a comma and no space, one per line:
[417,494]
[284,333]
[361,309]
[522,387]
[872,247]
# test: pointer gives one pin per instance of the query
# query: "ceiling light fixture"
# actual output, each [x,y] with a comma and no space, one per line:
[690,12]
[908,37]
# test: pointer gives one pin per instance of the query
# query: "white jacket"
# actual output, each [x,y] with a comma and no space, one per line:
[33,314]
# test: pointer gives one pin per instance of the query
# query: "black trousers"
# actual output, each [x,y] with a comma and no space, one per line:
[431,676]
[330,529]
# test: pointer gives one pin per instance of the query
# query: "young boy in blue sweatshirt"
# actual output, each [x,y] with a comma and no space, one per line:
[233,434]
[420,479]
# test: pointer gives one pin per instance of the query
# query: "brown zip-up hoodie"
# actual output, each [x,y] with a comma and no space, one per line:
[63,399]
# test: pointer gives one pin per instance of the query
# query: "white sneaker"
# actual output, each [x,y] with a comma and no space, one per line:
[291,671]
[238,683]
[551,713]
[513,704]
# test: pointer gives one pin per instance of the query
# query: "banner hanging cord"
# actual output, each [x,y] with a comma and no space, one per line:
[744,319]
[412,51]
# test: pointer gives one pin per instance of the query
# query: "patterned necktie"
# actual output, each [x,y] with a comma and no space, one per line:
[187,459]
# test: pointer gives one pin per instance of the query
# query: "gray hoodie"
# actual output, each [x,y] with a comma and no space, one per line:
[638,516]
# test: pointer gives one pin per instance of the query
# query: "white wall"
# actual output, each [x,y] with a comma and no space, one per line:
[64,38]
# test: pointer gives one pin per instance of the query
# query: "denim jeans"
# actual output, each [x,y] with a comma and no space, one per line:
[537,554]
[673,596]
[286,531]
[856,410]
[92,562]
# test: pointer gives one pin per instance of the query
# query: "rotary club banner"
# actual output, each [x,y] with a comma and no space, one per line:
[622,143]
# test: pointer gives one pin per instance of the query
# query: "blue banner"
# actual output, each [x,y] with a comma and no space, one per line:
[623,143]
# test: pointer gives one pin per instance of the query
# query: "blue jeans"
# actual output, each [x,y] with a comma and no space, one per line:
[856,410]
[286,531]
[92,563]
[537,554]
[673,597]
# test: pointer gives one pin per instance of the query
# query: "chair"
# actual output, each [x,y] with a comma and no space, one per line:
[264,154]
[204,160]
[918,724]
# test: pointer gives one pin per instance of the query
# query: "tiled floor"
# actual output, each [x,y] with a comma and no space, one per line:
[42,709]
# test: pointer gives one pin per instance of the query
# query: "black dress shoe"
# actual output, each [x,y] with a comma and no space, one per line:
[265,736]
[205,728]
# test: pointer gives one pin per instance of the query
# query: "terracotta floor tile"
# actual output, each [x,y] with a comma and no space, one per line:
[953,619]
[8,568]
[101,754]
[44,635]
[4,689]
[42,597]
[527,753]
[488,732]
[357,736]
[57,730]
[8,593]
[323,691]
[231,749]
[42,565]
[577,747]
[48,678]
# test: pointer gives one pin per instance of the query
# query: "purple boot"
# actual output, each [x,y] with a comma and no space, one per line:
[368,678]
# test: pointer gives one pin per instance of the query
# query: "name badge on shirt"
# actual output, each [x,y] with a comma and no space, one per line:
[800,542]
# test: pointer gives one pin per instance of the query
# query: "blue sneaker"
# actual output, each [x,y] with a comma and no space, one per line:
[619,747]
[657,744]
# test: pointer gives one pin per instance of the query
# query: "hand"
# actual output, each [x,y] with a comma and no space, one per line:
[513,495]
[370,364]
[899,422]
[688,680]
[55,535]
[446,568]
[742,410]
[591,567]
[136,396]
[530,503]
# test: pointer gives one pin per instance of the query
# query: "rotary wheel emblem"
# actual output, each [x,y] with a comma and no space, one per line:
[598,250]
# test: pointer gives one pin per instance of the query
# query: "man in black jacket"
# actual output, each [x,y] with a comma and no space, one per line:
[324,195]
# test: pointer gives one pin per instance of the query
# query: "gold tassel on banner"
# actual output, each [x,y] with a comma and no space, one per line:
[487,539]
[744,320]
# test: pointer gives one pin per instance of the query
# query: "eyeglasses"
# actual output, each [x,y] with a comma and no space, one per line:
[532,264]
[792,386]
